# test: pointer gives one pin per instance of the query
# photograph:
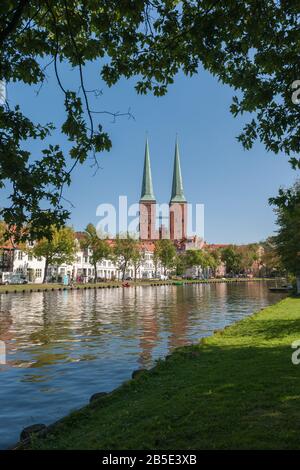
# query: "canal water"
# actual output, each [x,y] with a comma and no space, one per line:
[64,346]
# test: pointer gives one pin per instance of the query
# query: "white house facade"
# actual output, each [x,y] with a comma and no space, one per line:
[81,270]
[27,265]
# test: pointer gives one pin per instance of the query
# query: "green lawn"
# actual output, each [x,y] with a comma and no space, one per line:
[236,390]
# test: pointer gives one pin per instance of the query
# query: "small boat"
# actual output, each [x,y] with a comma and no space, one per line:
[281,289]
[178,283]
[125,284]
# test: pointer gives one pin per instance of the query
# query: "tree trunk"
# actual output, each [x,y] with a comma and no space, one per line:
[95,273]
[298,284]
[124,271]
[45,271]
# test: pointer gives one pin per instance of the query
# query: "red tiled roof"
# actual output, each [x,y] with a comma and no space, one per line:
[147,245]
[79,235]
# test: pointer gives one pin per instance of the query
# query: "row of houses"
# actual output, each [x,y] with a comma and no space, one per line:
[23,263]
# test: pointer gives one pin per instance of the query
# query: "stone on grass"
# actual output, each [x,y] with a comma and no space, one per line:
[137,373]
[97,396]
[33,429]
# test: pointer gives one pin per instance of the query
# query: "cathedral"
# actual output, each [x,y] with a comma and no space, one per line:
[177,213]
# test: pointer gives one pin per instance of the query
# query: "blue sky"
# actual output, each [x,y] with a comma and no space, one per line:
[233,184]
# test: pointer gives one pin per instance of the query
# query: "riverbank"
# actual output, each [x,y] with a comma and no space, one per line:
[8,289]
[237,389]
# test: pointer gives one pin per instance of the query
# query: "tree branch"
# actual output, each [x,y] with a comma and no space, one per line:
[13,24]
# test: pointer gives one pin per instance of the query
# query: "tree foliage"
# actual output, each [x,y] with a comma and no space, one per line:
[4,241]
[240,259]
[250,46]
[199,258]
[60,249]
[232,259]
[270,260]
[287,240]
[165,251]
[249,255]
[124,251]
[99,247]
[180,265]
[137,259]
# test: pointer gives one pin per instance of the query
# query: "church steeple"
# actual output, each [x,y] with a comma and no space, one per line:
[147,202]
[177,186]
[178,203]
[147,193]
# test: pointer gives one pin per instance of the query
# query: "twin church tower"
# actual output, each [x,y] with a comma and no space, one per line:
[177,206]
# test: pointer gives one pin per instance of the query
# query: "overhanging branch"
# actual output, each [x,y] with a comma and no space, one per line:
[14,22]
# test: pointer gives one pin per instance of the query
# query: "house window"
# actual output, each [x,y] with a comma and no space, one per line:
[30,257]
[86,259]
[20,255]
[38,273]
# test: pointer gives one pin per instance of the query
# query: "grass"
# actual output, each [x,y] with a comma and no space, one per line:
[15,288]
[237,389]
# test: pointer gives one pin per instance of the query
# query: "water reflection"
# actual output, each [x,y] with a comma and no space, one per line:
[64,346]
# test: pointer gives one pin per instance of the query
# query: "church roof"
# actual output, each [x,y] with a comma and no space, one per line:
[147,193]
[177,186]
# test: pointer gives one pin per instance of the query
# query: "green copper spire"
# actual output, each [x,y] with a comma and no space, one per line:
[147,193]
[177,186]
